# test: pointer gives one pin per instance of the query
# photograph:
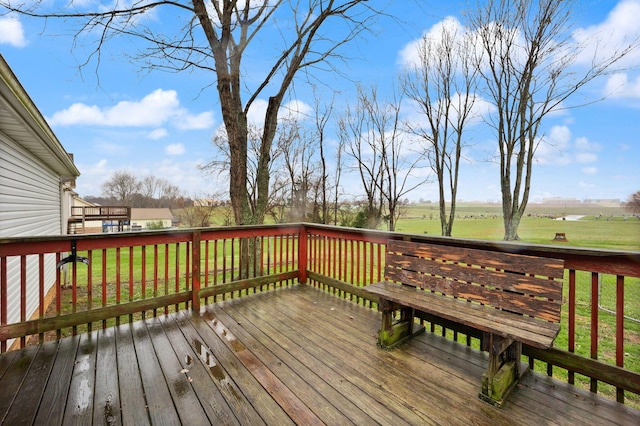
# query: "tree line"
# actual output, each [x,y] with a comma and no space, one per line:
[124,188]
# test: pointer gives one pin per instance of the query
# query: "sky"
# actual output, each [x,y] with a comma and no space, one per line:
[113,116]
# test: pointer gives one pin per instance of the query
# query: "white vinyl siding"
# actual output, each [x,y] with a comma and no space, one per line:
[30,205]
[29,194]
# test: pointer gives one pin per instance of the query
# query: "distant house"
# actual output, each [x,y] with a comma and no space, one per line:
[151,218]
[37,177]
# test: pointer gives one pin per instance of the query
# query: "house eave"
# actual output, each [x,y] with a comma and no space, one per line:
[22,121]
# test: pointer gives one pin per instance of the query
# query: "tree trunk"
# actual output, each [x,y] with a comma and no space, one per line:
[511,224]
[238,169]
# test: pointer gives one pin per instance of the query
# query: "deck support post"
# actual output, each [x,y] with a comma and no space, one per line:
[393,333]
[195,272]
[505,368]
[302,255]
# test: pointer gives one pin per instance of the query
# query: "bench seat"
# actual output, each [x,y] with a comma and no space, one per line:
[530,331]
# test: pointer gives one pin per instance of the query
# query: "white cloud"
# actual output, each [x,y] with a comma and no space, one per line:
[586,150]
[590,170]
[187,121]
[619,86]
[560,136]
[157,134]
[584,144]
[586,157]
[92,176]
[174,149]
[614,34]
[410,54]
[553,148]
[155,109]
[296,109]
[11,31]
[557,148]
[256,112]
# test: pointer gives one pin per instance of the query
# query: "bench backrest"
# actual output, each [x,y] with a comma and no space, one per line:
[522,284]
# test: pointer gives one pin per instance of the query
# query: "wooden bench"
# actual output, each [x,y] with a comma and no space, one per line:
[510,299]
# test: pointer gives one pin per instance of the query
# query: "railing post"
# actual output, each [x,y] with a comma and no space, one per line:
[195,272]
[302,254]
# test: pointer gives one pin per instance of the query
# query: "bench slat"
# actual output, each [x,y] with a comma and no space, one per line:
[553,268]
[533,332]
[505,280]
[515,302]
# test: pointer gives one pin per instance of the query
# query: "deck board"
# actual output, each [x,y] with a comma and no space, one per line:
[293,355]
[158,398]
[184,398]
[199,374]
[309,383]
[79,409]
[389,377]
[29,395]
[13,377]
[106,396]
[53,403]
[234,372]
[133,408]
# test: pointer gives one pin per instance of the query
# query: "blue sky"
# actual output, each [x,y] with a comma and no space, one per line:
[162,123]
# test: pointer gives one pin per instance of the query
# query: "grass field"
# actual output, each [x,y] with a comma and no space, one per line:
[614,229]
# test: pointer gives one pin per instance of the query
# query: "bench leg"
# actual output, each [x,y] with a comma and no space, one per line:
[393,333]
[505,369]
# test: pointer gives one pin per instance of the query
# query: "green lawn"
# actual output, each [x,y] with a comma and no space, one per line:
[484,221]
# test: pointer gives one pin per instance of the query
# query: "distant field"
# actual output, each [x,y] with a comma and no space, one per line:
[602,226]
[614,229]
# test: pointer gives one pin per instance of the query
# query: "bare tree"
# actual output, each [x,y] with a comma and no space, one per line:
[122,186]
[632,204]
[528,69]
[218,36]
[306,47]
[159,190]
[297,153]
[339,164]
[379,148]
[361,145]
[198,213]
[322,116]
[442,84]
[399,161]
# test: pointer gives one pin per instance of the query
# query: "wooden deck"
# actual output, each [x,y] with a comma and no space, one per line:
[293,355]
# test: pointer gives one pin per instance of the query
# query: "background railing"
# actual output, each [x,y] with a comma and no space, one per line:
[134,275]
[101,212]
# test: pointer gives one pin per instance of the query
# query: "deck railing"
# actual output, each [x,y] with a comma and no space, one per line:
[100,212]
[132,275]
